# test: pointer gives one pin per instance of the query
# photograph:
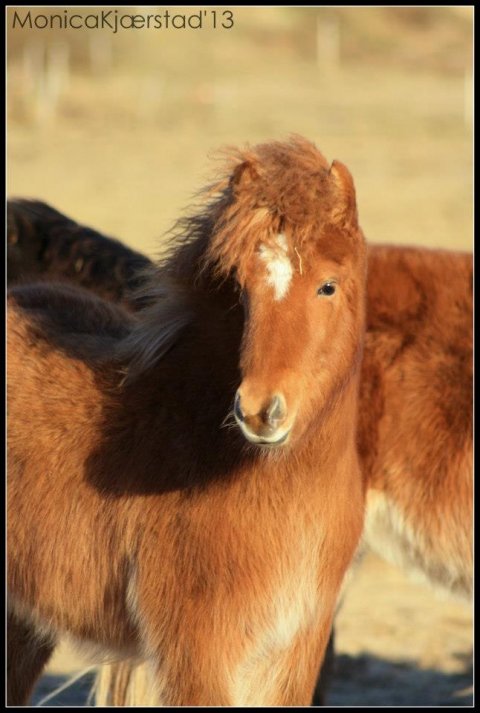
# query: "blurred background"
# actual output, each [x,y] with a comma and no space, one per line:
[116,129]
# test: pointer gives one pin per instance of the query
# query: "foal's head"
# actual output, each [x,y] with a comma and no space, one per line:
[290,238]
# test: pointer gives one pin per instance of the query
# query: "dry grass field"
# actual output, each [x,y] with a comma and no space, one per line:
[119,130]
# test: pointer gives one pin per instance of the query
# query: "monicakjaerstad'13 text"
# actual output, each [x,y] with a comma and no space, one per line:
[115,20]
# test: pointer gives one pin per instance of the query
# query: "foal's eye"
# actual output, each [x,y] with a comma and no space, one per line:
[327,289]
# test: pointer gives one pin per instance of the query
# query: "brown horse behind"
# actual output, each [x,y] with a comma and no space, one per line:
[415,422]
[135,521]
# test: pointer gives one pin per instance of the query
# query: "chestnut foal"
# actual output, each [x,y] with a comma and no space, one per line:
[139,524]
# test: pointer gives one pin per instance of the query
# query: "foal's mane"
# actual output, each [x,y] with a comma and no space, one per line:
[259,191]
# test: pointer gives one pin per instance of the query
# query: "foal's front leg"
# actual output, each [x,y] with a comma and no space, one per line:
[27,655]
[185,678]
[208,672]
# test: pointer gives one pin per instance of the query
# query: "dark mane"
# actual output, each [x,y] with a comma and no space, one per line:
[77,321]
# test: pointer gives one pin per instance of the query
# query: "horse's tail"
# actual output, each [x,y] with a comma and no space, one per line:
[125,684]
[44,244]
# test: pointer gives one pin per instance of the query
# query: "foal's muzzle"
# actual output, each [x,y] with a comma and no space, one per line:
[267,425]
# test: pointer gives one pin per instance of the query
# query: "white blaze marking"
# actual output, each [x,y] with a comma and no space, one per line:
[279,267]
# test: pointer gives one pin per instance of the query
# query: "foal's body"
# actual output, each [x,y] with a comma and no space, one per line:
[136,522]
[199,525]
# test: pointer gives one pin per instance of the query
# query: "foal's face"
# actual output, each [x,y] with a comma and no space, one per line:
[303,319]
[290,236]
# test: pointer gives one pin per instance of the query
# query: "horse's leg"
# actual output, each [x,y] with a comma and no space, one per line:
[298,668]
[27,654]
[284,680]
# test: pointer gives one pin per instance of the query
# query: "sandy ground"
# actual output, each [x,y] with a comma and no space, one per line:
[398,644]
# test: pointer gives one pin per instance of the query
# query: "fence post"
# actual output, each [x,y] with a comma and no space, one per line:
[328,44]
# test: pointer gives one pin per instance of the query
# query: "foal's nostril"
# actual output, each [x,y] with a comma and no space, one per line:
[276,411]
[237,409]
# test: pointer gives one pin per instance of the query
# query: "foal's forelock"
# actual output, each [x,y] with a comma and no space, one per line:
[242,224]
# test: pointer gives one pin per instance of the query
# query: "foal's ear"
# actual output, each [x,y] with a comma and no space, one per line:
[345,208]
[244,176]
